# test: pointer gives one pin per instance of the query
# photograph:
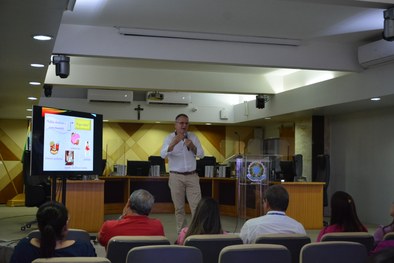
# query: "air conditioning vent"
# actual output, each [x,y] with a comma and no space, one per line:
[376,53]
[169,98]
[116,96]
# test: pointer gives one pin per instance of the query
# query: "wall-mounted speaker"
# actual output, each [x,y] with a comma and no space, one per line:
[260,101]
[47,90]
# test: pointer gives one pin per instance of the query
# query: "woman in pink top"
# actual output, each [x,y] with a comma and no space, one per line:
[383,230]
[343,216]
[206,220]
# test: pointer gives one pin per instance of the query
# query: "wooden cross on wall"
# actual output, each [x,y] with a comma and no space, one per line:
[139,109]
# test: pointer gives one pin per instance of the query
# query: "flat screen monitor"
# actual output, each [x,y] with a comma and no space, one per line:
[66,142]
[287,170]
[138,168]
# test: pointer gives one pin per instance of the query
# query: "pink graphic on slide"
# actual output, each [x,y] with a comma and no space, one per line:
[75,138]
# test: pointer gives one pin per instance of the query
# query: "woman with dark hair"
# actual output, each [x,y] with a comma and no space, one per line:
[343,216]
[206,220]
[52,219]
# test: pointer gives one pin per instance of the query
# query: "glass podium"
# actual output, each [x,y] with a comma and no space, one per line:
[252,173]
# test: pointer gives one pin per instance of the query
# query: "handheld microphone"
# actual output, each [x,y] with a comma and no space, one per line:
[185,136]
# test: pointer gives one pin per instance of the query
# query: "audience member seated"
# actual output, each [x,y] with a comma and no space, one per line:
[134,221]
[343,216]
[52,219]
[275,220]
[383,230]
[206,220]
[383,256]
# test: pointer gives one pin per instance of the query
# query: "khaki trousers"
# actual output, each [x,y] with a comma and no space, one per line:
[182,186]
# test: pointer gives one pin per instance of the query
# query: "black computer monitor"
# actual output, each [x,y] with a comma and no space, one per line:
[138,168]
[287,170]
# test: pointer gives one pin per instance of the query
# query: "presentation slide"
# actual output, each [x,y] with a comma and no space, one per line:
[68,143]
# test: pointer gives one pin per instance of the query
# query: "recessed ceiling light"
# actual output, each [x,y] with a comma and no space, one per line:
[42,37]
[29,109]
[375,99]
[105,120]
[208,123]
[31,98]
[157,121]
[37,65]
[34,83]
[267,118]
[28,117]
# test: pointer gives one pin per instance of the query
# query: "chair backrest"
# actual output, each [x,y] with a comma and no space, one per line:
[333,251]
[211,244]
[389,236]
[252,253]
[72,259]
[293,242]
[164,254]
[119,246]
[361,237]
[72,234]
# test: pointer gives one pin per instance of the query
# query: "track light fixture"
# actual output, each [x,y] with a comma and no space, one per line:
[62,64]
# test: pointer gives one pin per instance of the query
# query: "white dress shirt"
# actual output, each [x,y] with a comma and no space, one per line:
[271,223]
[181,159]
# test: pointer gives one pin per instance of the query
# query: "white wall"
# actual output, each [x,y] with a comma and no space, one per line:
[362,161]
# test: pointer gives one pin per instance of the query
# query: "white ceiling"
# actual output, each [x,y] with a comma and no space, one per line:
[328,31]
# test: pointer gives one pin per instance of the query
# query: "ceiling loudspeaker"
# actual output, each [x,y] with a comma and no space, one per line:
[48,90]
[260,101]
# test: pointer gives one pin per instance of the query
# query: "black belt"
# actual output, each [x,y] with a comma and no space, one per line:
[183,173]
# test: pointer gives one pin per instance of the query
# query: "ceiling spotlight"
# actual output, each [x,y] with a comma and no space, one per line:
[31,98]
[42,37]
[62,64]
[375,99]
[34,83]
[37,65]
